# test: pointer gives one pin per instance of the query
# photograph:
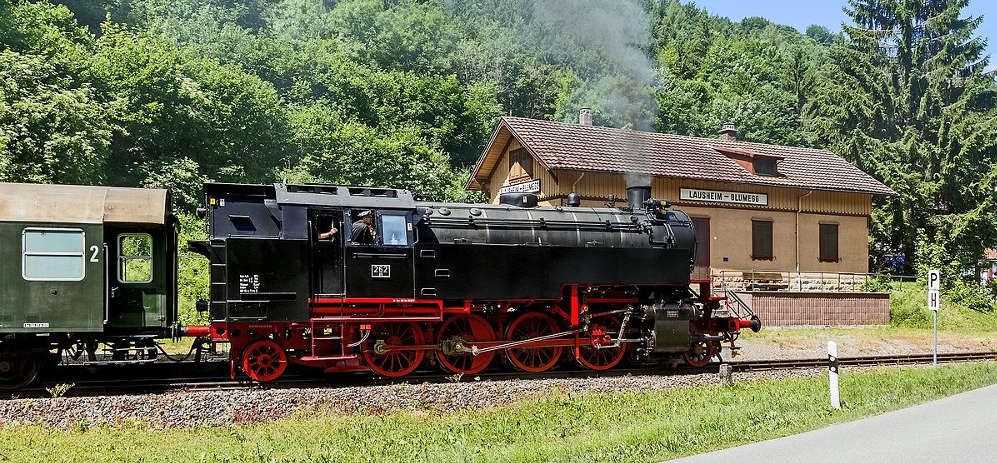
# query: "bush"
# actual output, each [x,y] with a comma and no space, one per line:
[193,277]
[973,296]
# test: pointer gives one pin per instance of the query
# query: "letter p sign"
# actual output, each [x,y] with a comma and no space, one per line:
[934,293]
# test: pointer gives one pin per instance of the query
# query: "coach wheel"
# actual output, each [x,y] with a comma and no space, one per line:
[264,360]
[532,359]
[700,354]
[602,358]
[467,329]
[18,371]
[394,362]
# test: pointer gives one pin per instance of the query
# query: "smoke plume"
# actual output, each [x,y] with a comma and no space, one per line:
[605,42]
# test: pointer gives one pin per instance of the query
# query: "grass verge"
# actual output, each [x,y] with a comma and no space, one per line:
[631,426]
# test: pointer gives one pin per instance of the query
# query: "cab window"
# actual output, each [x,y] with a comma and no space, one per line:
[394,230]
[134,258]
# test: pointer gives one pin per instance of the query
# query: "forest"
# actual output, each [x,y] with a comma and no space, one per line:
[405,93]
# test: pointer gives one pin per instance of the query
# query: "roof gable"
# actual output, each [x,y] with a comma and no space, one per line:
[561,145]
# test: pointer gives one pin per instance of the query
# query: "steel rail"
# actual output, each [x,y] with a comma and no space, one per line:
[126,386]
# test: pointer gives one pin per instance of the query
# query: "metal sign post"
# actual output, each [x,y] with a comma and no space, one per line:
[934,302]
[832,373]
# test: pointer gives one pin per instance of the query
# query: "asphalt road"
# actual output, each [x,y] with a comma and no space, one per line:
[961,428]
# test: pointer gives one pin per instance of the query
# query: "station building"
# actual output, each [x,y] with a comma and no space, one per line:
[769,217]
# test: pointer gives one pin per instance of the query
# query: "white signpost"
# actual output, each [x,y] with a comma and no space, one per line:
[934,303]
[832,372]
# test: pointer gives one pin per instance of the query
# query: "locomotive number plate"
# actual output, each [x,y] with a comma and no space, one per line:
[380,271]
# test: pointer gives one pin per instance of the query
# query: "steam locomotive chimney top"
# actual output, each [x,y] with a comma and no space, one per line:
[585,116]
[638,189]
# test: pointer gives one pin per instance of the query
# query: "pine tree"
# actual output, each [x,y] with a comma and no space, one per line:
[906,99]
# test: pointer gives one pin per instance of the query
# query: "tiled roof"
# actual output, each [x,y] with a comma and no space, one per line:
[604,149]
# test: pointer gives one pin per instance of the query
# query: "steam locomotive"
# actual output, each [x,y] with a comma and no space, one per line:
[93,277]
[462,286]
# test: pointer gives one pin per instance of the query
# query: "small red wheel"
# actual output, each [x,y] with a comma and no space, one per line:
[468,328]
[603,358]
[532,359]
[700,354]
[264,360]
[394,362]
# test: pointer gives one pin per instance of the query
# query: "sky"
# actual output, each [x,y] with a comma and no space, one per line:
[802,13]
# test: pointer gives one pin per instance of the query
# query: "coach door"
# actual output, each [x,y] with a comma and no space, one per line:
[139,272]
[382,269]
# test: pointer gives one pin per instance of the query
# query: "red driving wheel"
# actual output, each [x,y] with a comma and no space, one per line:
[394,362]
[264,360]
[468,328]
[532,359]
[604,358]
[700,354]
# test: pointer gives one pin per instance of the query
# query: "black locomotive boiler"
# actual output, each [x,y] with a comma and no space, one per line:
[298,275]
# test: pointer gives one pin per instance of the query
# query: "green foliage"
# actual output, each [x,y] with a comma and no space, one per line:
[963,309]
[52,127]
[173,93]
[353,153]
[193,272]
[559,426]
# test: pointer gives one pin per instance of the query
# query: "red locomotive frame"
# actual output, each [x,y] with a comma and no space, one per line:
[394,336]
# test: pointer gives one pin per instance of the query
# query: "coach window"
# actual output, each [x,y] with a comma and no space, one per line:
[394,230]
[134,258]
[53,254]
[761,239]
[829,242]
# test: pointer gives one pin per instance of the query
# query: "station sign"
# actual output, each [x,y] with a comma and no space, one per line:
[532,186]
[718,196]
[934,290]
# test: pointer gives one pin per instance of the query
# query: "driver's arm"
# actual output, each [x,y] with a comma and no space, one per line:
[329,234]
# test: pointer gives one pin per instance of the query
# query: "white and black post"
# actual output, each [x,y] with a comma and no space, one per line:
[832,369]
[934,302]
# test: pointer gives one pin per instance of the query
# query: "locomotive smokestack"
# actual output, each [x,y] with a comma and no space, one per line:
[638,189]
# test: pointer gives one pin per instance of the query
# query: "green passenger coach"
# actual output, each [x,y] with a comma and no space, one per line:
[83,268]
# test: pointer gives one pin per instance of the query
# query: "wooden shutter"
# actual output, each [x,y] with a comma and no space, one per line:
[828,242]
[761,239]
[520,164]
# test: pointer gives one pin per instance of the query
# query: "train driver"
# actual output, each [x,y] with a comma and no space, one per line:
[363,232]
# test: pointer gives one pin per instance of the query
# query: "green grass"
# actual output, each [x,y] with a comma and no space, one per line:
[632,426]
[908,309]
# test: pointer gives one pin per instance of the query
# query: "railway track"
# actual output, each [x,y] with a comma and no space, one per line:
[216,382]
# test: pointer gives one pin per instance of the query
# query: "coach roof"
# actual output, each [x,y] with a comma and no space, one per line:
[29,202]
[564,146]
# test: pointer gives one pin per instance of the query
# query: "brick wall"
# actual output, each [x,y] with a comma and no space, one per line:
[782,308]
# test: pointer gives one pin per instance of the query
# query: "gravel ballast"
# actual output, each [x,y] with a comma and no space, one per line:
[250,405]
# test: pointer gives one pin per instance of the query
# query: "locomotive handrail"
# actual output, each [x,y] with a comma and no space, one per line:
[537,223]
[740,302]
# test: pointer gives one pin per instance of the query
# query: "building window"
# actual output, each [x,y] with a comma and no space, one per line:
[765,166]
[53,254]
[829,242]
[134,258]
[761,239]
[520,164]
